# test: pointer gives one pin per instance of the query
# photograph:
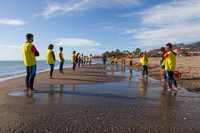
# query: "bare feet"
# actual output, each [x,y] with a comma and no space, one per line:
[27,89]
[163,80]
[170,89]
[176,89]
[60,73]
[31,91]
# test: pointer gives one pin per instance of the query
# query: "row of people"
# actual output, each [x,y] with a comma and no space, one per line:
[30,53]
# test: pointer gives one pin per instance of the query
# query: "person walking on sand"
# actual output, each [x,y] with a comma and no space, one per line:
[90,59]
[104,60]
[144,62]
[51,59]
[130,59]
[74,60]
[162,50]
[61,60]
[29,55]
[170,65]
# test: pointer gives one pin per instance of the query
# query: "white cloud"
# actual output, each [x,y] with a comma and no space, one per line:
[71,42]
[1,46]
[12,22]
[92,50]
[14,47]
[169,13]
[169,22]
[55,8]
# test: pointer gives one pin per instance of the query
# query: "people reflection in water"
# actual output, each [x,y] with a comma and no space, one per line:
[143,86]
[50,97]
[167,102]
[122,69]
[73,87]
[130,74]
[116,67]
[60,91]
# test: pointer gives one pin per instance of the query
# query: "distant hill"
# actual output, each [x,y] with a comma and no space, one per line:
[192,46]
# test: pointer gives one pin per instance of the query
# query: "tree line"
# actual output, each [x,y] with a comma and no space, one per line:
[117,52]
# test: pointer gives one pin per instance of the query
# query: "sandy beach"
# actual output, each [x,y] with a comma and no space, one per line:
[188,66]
[97,99]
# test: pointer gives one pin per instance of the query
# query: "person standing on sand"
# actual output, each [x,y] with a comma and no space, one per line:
[29,55]
[112,60]
[121,60]
[104,60]
[144,62]
[90,60]
[124,60]
[116,60]
[170,65]
[61,60]
[51,59]
[74,60]
[162,49]
[130,59]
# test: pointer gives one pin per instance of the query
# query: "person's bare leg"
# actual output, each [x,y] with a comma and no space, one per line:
[170,89]
[176,89]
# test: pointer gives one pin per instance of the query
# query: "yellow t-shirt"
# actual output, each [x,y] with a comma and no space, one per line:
[170,64]
[144,61]
[60,54]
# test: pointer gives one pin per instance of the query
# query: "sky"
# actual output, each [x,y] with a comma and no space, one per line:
[96,26]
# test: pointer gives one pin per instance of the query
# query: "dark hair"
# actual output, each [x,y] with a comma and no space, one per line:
[169,44]
[50,46]
[61,48]
[162,49]
[29,36]
[74,52]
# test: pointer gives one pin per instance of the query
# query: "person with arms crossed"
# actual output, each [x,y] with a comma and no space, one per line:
[29,55]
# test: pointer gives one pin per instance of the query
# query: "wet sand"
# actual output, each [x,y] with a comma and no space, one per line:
[97,100]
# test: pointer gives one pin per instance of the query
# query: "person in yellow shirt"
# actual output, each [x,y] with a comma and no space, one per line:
[144,62]
[116,60]
[61,60]
[130,59]
[29,54]
[170,65]
[112,60]
[121,60]
[51,59]
[162,49]
[124,60]
[74,60]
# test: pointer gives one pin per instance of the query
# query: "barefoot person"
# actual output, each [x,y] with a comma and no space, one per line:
[162,50]
[74,60]
[61,60]
[130,59]
[29,55]
[104,60]
[51,59]
[144,62]
[170,65]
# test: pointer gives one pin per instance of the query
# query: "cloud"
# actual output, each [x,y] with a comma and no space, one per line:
[56,9]
[14,47]
[1,46]
[72,42]
[169,22]
[169,13]
[92,50]
[12,22]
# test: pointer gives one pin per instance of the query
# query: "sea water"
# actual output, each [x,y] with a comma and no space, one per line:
[15,69]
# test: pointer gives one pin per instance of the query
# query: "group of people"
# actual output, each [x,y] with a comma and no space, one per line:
[167,63]
[114,60]
[30,53]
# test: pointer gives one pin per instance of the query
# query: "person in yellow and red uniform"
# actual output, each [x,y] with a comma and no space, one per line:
[124,60]
[144,62]
[162,49]
[112,60]
[116,60]
[170,65]
[51,59]
[121,60]
[74,60]
[130,59]
[29,54]
[61,60]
